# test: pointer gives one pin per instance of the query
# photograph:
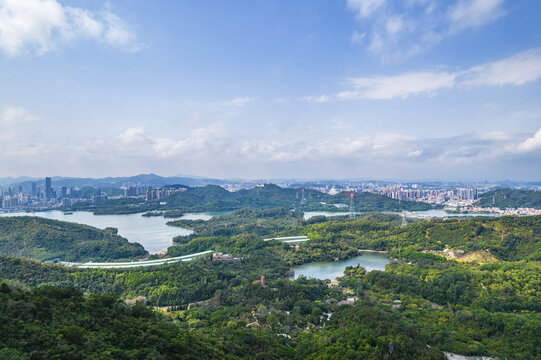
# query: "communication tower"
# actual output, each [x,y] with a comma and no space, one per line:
[351,197]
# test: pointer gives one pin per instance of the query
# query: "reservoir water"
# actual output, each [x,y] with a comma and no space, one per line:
[333,269]
[151,232]
[413,214]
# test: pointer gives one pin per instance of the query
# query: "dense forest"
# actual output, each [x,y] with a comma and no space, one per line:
[220,232]
[45,239]
[509,238]
[248,220]
[216,198]
[510,198]
[423,304]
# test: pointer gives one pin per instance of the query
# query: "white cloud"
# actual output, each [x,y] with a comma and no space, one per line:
[137,150]
[494,135]
[530,144]
[136,142]
[519,69]
[239,101]
[387,87]
[117,32]
[365,8]
[357,37]
[39,26]
[133,136]
[15,115]
[415,153]
[473,13]
[398,30]
[394,25]
[84,23]
[319,99]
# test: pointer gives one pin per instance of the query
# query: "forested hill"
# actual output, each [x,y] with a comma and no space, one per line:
[508,238]
[510,198]
[44,239]
[213,197]
[485,306]
[60,323]
[216,198]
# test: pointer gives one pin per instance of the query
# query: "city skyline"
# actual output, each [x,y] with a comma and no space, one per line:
[376,89]
[33,196]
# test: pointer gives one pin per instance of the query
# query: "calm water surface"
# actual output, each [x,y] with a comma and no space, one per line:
[202,216]
[334,269]
[151,232]
[426,213]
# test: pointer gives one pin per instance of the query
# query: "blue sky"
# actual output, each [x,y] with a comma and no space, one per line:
[413,89]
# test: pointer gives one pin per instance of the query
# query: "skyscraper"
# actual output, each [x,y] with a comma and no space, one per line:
[34,190]
[48,188]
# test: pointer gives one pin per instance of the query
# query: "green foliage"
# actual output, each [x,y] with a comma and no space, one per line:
[43,239]
[510,198]
[253,221]
[422,299]
[172,285]
[508,238]
[366,331]
[53,323]
[215,198]
[113,206]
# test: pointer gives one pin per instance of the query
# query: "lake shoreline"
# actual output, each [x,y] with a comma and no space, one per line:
[329,270]
[151,232]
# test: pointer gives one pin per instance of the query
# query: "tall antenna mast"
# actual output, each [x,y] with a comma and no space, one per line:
[351,197]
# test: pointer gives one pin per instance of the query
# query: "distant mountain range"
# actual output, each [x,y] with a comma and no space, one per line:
[192,180]
[16,180]
[143,179]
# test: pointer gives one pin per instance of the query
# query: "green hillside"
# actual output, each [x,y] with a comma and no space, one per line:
[44,239]
[216,198]
[509,238]
[63,324]
[510,198]
[469,308]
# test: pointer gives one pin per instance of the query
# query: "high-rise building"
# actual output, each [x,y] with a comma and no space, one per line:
[64,192]
[34,193]
[48,188]
[466,194]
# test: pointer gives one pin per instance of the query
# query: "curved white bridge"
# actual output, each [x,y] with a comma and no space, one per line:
[290,239]
[132,264]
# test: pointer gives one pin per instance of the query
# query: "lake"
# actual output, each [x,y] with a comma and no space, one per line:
[333,269]
[151,232]
[412,214]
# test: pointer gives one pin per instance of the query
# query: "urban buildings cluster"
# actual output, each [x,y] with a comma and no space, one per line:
[446,195]
[494,210]
[430,196]
[162,193]
[43,195]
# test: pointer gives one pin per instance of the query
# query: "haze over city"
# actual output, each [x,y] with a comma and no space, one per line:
[259,89]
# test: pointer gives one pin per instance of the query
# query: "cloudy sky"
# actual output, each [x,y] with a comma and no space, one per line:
[381,89]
